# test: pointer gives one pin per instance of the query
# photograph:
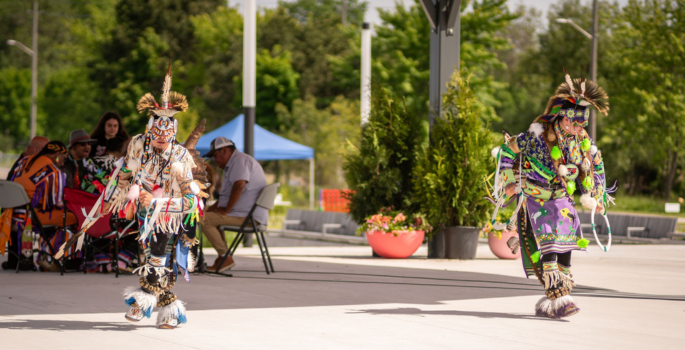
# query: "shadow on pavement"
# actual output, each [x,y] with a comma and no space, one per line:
[295,284]
[419,312]
[68,325]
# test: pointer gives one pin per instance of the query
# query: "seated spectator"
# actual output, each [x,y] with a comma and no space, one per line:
[243,181]
[110,136]
[35,145]
[75,165]
[44,183]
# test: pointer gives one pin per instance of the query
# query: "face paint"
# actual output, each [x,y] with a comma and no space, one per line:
[163,127]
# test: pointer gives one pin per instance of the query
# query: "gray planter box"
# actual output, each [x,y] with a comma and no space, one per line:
[454,242]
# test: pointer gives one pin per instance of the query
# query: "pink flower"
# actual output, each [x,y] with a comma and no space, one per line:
[399,218]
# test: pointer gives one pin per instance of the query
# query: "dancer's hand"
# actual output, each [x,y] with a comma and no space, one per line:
[145,198]
[600,207]
[510,190]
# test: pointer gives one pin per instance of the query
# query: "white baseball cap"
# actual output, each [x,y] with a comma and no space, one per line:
[218,143]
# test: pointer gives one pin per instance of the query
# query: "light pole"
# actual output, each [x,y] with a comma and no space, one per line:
[593,59]
[34,65]
[365,91]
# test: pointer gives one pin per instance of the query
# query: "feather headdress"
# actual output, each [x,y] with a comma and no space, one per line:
[172,102]
[581,92]
[162,123]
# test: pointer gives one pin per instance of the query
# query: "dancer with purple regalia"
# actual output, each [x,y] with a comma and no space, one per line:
[539,171]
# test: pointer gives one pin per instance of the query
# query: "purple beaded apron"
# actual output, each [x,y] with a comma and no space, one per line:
[555,224]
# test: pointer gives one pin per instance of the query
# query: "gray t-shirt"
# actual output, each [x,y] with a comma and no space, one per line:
[242,166]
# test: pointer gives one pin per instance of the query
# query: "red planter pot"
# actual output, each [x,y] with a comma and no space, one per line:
[396,245]
[499,246]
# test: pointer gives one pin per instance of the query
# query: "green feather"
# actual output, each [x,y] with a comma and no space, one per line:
[587,183]
[535,257]
[583,243]
[585,145]
[556,153]
[570,188]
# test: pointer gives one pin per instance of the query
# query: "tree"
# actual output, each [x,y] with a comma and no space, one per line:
[379,169]
[276,84]
[647,91]
[327,130]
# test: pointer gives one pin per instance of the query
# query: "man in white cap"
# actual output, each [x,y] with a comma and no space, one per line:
[74,166]
[243,181]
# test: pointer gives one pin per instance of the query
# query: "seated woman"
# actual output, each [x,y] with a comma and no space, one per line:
[44,183]
[110,135]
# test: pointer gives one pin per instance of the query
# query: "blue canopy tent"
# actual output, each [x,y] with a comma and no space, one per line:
[267,146]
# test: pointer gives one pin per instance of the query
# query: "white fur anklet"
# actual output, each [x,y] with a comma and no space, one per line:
[141,299]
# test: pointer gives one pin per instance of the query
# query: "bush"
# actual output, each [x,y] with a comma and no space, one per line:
[380,171]
[451,172]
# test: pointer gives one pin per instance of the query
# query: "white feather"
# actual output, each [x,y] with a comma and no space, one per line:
[149,123]
[560,303]
[133,192]
[173,310]
[593,150]
[495,152]
[144,300]
[563,170]
[588,202]
[544,306]
[536,128]
[133,165]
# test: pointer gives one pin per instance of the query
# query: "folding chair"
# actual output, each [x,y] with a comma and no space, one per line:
[265,200]
[105,230]
[13,195]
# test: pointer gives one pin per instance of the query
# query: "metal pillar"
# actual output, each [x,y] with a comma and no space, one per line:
[365,90]
[34,69]
[593,65]
[444,18]
[249,72]
[312,186]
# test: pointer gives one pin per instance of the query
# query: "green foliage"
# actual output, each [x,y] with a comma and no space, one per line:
[276,84]
[15,101]
[326,130]
[304,10]
[379,170]
[647,83]
[449,176]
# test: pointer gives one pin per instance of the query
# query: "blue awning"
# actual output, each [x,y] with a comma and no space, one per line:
[267,145]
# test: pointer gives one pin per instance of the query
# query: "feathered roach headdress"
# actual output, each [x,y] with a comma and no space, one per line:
[575,94]
[162,123]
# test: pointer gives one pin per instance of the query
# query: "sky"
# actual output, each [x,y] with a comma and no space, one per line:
[374,5]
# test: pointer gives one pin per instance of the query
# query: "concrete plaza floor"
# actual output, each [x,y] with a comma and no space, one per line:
[338,297]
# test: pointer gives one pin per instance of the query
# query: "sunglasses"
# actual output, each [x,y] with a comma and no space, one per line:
[577,117]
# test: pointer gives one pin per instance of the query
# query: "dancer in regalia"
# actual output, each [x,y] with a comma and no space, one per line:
[159,183]
[539,171]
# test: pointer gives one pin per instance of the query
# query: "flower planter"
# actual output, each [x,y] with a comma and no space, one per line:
[454,242]
[499,246]
[396,245]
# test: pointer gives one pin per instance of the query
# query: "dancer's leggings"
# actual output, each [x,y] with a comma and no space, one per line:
[560,258]
[158,248]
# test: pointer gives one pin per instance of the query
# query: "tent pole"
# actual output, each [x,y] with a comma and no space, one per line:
[311,184]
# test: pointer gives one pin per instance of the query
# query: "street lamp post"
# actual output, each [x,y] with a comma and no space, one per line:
[34,65]
[593,58]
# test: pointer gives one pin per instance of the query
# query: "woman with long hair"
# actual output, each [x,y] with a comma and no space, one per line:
[110,135]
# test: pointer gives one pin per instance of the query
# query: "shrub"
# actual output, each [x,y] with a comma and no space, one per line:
[449,182]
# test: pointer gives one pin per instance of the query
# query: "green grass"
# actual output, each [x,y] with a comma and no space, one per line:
[642,204]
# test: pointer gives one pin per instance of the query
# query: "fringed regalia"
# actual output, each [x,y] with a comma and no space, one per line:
[168,175]
[547,165]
